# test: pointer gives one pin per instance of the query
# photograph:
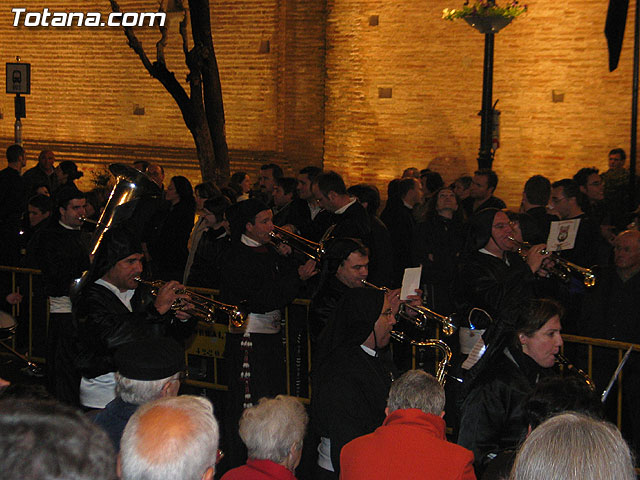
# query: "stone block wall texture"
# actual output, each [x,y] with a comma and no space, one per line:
[434,69]
[314,97]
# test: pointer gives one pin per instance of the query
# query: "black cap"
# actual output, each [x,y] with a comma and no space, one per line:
[242,212]
[151,359]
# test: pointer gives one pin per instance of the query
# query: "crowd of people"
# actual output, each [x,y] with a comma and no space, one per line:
[116,340]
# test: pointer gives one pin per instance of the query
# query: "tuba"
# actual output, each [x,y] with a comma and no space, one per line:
[131,186]
[203,308]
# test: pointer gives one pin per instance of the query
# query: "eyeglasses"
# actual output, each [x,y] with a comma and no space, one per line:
[502,226]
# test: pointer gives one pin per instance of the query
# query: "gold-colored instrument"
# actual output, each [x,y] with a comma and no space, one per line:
[562,360]
[313,250]
[200,307]
[562,268]
[443,363]
[419,316]
[131,186]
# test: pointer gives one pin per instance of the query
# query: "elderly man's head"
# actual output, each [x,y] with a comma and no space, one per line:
[173,437]
[149,369]
[274,430]
[416,389]
[572,445]
[45,439]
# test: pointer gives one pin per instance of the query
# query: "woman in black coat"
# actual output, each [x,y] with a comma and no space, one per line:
[167,244]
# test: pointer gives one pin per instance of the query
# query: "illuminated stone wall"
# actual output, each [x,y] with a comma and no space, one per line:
[316,93]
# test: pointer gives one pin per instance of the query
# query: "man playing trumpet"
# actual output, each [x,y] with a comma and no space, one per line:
[263,279]
[114,309]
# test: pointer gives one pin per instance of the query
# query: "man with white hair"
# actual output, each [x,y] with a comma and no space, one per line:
[147,370]
[411,442]
[170,438]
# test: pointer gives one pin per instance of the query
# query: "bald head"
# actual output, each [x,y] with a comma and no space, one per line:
[627,252]
[174,437]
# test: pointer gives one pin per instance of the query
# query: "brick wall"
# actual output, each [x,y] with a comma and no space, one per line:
[314,96]
[434,69]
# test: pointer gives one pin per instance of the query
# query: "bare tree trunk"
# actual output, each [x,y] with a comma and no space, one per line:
[203,110]
[212,90]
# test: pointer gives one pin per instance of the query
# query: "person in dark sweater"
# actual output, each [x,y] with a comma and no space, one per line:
[263,280]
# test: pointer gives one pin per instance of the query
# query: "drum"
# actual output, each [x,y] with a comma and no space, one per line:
[8,326]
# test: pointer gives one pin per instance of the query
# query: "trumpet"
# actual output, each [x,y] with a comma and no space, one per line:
[203,308]
[443,364]
[562,268]
[419,316]
[313,250]
[562,360]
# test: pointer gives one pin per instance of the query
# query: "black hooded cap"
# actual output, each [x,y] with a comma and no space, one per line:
[480,225]
[150,359]
[117,243]
[353,321]
[338,250]
[242,212]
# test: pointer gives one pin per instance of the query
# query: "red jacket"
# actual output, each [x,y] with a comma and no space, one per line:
[259,470]
[410,444]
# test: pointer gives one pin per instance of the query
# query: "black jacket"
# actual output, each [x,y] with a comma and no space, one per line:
[103,324]
[62,255]
[492,417]
[207,261]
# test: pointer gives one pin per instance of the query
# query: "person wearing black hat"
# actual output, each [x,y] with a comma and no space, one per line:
[114,309]
[351,379]
[264,280]
[147,370]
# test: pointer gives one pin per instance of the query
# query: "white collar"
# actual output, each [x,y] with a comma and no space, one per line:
[341,210]
[369,351]
[249,242]
[64,225]
[124,297]
[407,205]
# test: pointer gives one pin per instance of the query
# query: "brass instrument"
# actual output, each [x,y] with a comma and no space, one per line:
[202,307]
[562,360]
[562,268]
[419,316]
[443,364]
[131,186]
[313,250]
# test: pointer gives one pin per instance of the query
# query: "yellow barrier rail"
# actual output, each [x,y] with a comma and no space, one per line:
[205,353]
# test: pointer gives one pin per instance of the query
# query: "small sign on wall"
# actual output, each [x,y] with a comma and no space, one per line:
[19,78]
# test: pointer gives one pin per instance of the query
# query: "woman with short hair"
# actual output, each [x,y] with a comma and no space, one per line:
[273,432]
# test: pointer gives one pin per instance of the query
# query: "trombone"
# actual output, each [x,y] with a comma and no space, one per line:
[420,315]
[313,250]
[562,268]
[203,308]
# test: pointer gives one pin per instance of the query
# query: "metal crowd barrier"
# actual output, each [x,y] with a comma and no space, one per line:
[205,353]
